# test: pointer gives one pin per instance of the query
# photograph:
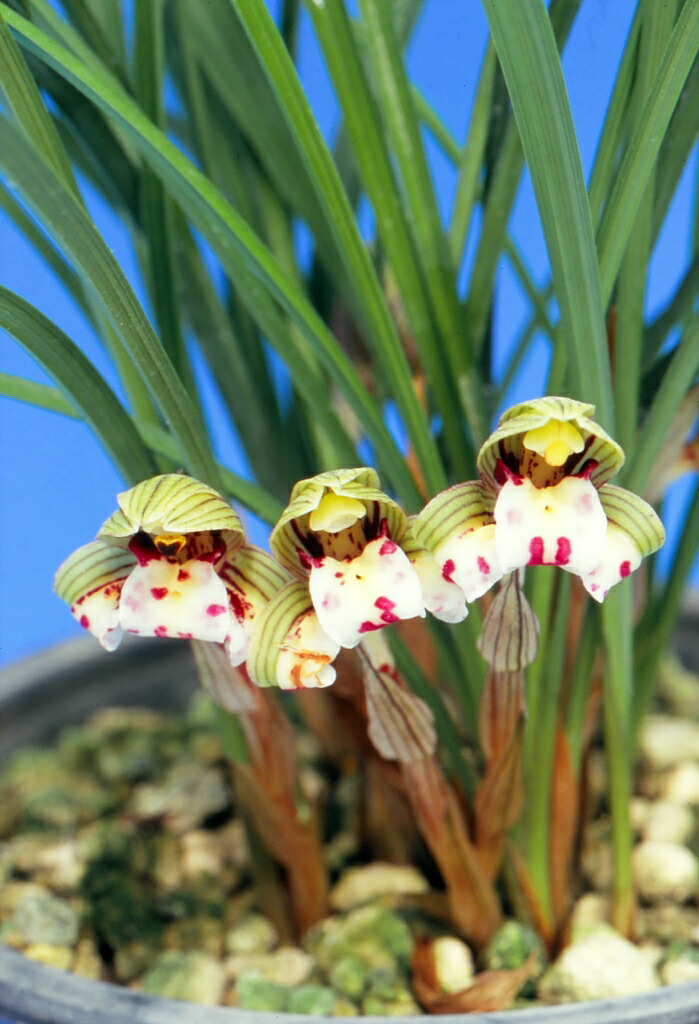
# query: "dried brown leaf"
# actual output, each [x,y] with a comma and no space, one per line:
[490,990]
[438,812]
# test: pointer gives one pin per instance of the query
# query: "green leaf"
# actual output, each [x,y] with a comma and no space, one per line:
[636,167]
[243,255]
[680,374]
[24,100]
[73,230]
[423,222]
[381,332]
[43,396]
[85,389]
[528,55]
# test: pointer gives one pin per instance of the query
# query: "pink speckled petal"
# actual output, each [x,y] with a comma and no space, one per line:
[563,525]
[355,597]
[442,598]
[470,560]
[621,557]
[162,598]
[98,612]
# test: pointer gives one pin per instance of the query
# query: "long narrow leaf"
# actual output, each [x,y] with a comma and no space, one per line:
[421,210]
[381,330]
[43,396]
[23,98]
[680,374]
[638,162]
[82,384]
[237,246]
[529,58]
[76,234]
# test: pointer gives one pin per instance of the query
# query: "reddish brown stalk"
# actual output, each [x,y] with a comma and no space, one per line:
[524,895]
[267,785]
[499,800]
[472,900]
[401,729]
[565,818]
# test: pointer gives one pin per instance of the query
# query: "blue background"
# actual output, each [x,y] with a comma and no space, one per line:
[57,486]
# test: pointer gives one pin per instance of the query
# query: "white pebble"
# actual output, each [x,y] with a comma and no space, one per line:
[668,822]
[682,784]
[453,964]
[665,741]
[664,872]
[603,965]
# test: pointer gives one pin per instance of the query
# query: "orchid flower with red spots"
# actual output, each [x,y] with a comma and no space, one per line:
[290,649]
[172,561]
[353,545]
[543,499]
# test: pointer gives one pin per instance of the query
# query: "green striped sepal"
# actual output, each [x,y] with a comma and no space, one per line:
[457,528]
[173,503]
[633,532]
[90,581]
[289,648]
[634,517]
[293,534]
[252,578]
[506,442]
[466,506]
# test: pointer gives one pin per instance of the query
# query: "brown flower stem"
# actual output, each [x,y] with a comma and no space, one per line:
[472,899]
[268,788]
[400,727]
[293,845]
[265,775]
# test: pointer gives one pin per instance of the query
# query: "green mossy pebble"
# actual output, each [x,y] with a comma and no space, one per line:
[253,992]
[194,977]
[378,937]
[314,1000]
[349,975]
[120,905]
[510,947]
[132,959]
[47,919]
[253,933]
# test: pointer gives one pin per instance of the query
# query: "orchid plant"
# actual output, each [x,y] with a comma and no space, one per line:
[419,614]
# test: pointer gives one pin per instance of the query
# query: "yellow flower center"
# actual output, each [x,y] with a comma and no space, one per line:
[336,512]
[555,441]
[169,544]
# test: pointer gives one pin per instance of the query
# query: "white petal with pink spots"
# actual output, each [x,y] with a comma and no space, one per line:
[470,560]
[163,598]
[620,558]
[357,596]
[443,598]
[98,612]
[563,525]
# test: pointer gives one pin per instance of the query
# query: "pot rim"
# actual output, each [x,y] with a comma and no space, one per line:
[32,993]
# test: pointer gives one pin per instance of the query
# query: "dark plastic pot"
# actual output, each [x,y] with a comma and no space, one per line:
[42,694]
